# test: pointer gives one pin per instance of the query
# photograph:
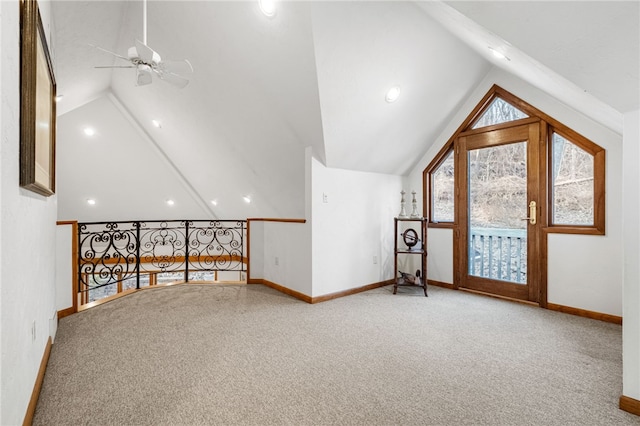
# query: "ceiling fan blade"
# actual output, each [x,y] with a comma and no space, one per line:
[147,54]
[173,79]
[176,67]
[110,52]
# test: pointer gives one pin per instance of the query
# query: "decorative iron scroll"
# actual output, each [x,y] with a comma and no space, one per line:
[107,253]
[162,246]
[112,252]
[216,245]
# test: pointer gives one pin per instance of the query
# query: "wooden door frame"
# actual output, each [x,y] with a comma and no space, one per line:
[534,132]
[548,126]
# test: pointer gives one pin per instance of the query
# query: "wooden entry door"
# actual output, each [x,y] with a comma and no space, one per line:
[498,244]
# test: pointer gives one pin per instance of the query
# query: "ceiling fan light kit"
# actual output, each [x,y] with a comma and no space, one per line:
[143,75]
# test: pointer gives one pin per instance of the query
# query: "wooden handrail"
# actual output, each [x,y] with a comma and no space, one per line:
[271,219]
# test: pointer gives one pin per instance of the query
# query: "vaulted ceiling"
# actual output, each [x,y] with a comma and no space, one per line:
[314,75]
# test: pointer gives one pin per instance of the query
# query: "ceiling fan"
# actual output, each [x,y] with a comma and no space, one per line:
[148,62]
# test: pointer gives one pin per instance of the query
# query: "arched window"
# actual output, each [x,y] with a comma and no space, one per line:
[573,168]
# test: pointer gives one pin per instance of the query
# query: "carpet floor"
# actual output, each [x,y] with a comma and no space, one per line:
[249,355]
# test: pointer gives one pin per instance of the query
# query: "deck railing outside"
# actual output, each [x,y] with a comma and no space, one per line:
[117,256]
[499,254]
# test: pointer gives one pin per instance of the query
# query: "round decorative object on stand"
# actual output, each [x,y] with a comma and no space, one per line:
[403,212]
[410,238]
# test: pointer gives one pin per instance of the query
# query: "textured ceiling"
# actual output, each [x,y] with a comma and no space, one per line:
[594,44]
[315,75]
[78,24]
[241,126]
[364,50]
[119,184]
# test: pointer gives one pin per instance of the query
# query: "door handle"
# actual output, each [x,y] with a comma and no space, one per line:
[532,213]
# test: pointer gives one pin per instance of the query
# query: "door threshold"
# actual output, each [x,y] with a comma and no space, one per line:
[497,296]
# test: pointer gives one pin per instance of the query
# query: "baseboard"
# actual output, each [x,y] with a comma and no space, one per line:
[284,290]
[66,312]
[349,292]
[31,408]
[630,405]
[584,313]
[322,298]
[440,284]
[551,306]
[497,296]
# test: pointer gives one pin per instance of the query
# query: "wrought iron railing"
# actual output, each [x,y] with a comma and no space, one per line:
[499,254]
[125,255]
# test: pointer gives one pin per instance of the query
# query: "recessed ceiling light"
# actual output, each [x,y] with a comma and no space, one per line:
[392,94]
[170,202]
[246,199]
[498,54]
[89,131]
[268,7]
[91,202]
[214,202]
[58,98]
[156,123]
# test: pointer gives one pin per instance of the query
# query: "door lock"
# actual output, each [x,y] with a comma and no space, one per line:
[532,213]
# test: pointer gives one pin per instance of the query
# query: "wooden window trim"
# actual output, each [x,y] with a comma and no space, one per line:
[599,183]
[427,207]
[444,225]
[498,92]
[549,125]
[487,104]
[508,124]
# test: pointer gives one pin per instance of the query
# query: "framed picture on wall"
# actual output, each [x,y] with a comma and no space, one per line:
[37,105]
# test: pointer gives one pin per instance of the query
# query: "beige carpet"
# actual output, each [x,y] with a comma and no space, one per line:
[204,354]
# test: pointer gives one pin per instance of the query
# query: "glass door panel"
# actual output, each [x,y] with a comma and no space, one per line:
[498,247]
[497,188]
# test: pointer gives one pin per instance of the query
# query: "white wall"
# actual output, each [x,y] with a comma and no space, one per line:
[118,166]
[335,249]
[256,256]
[287,255]
[351,227]
[439,255]
[584,271]
[2,104]
[631,299]
[64,267]
[281,251]
[27,225]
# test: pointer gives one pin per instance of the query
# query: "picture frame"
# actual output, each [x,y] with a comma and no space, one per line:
[37,104]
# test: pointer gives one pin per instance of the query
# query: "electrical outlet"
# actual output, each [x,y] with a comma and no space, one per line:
[375,259]
[277,261]
[325,198]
